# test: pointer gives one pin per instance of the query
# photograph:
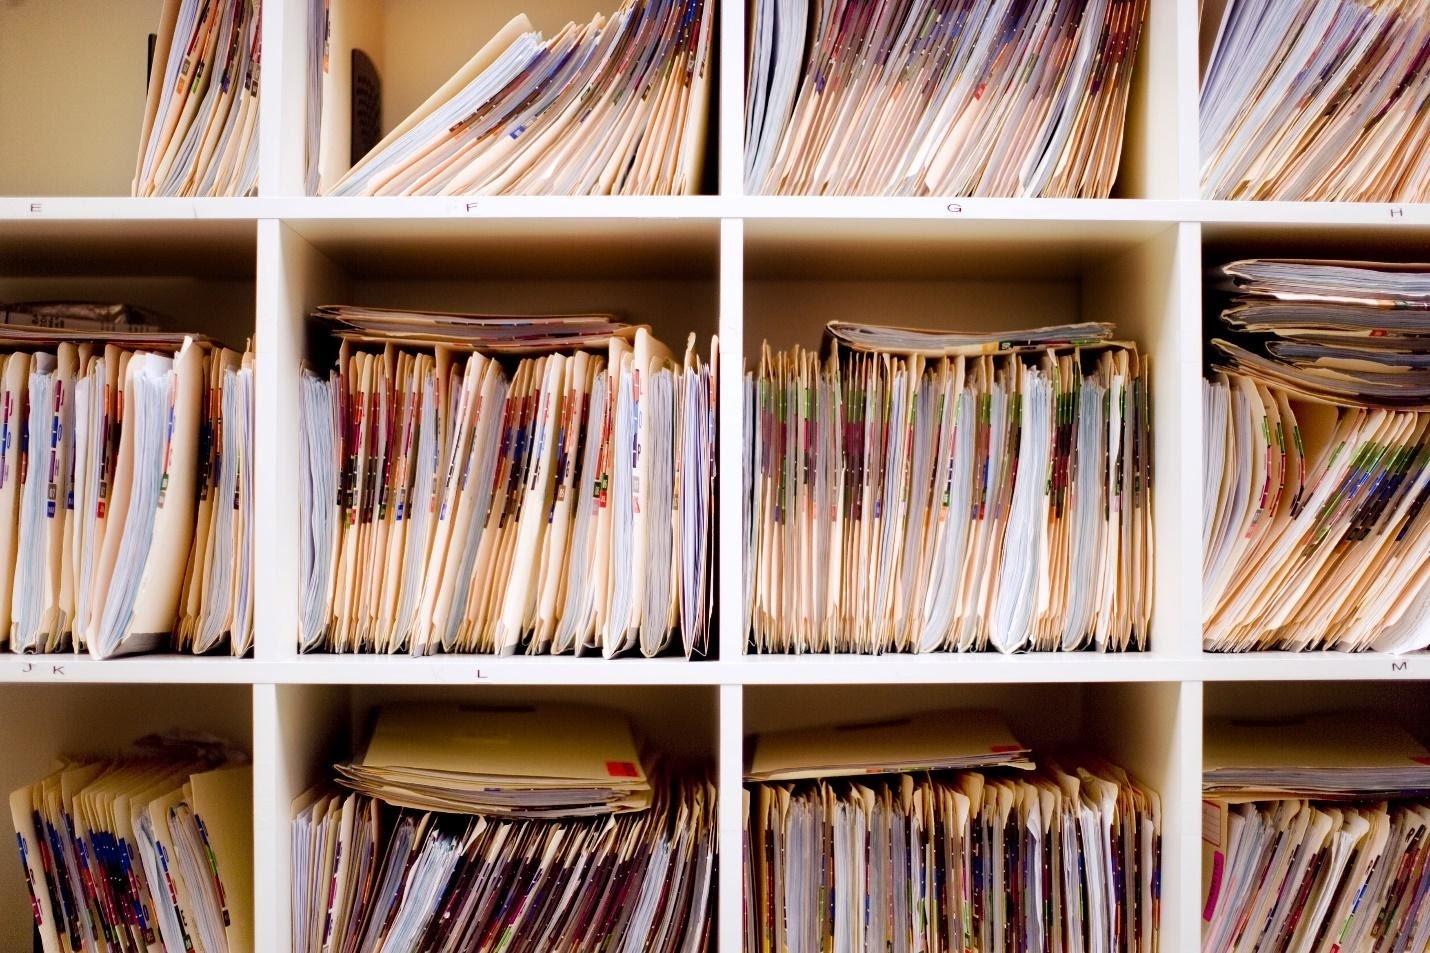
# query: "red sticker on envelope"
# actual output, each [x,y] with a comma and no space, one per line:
[622,769]
[1004,749]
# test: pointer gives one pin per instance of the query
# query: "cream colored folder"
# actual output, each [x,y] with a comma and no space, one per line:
[473,68]
[223,801]
[927,741]
[534,743]
[163,576]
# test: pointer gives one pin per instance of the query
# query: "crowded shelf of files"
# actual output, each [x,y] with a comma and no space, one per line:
[748,267]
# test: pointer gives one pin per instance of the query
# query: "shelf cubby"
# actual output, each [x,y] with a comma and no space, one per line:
[47,722]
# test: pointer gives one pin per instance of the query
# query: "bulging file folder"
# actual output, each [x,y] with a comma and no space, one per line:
[126,492]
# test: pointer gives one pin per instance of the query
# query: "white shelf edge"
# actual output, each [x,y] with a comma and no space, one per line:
[15,209]
[477,670]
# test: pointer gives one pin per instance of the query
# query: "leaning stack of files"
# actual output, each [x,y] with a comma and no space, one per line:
[367,878]
[200,132]
[613,106]
[916,491]
[1064,857]
[126,492]
[1316,408]
[507,484]
[151,851]
[927,97]
[1316,836]
[1320,101]
[511,761]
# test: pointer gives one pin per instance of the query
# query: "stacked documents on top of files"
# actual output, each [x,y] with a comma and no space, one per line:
[1321,101]
[926,741]
[367,879]
[614,106]
[1316,407]
[1340,754]
[998,498]
[461,497]
[1341,332]
[926,97]
[150,851]
[126,492]
[1315,834]
[508,760]
[200,133]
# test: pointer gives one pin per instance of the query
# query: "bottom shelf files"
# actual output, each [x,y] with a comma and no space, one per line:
[369,877]
[149,851]
[1055,859]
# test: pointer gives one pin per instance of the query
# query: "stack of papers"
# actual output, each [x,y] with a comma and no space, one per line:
[930,741]
[1318,102]
[1340,754]
[1300,876]
[922,97]
[560,503]
[1341,332]
[1315,468]
[1064,859]
[614,106]
[366,880]
[126,492]
[897,503]
[200,133]
[145,853]
[93,316]
[515,761]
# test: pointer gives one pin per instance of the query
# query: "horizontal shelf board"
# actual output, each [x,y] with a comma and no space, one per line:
[711,207]
[946,668]
[957,668]
[1311,666]
[190,669]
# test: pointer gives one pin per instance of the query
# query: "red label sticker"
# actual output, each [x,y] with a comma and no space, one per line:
[622,769]
[1004,749]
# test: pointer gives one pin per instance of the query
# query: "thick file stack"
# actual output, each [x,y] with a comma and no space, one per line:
[126,492]
[505,485]
[620,876]
[918,491]
[1316,836]
[921,97]
[1316,408]
[516,761]
[1320,101]
[200,133]
[148,852]
[614,106]
[1065,857]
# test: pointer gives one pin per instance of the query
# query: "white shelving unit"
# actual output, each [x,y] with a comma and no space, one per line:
[745,267]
